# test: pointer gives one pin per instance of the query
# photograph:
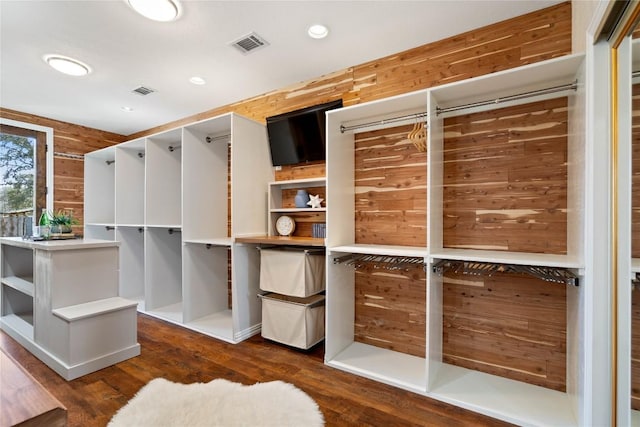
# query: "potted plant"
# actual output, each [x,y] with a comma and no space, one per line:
[62,221]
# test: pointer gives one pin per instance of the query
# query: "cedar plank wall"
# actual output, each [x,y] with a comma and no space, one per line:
[508,325]
[505,179]
[68,178]
[391,189]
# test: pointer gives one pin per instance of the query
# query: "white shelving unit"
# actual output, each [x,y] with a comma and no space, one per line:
[507,399]
[17,289]
[276,207]
[180,199]
[47,305]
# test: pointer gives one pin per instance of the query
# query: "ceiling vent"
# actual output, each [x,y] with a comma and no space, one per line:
[249,43]
[143,90]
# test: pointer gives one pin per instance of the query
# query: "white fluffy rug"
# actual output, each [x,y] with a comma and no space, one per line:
[218,403]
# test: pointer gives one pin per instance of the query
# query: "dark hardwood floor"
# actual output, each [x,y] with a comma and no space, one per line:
[185,356]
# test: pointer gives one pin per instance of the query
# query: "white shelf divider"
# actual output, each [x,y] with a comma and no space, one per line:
[21,284]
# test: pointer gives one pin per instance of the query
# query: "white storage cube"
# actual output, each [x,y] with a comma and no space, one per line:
[292,271]
[298,322]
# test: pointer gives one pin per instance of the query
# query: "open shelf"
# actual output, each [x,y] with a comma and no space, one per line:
[172,312]
[21,284]
[282,196]
[21,323]
[219,325]
[510,400]
[223,241]
[635,265]
[390,367]
[390,250]
[503,257]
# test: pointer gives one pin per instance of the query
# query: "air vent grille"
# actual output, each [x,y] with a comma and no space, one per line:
[142,90]
[249,43]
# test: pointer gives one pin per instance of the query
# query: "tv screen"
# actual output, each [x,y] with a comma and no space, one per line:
[299,136]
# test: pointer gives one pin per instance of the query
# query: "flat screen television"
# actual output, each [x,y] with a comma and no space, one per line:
[299,136]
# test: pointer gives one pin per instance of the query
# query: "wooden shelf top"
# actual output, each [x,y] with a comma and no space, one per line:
[24,400]
[282,240]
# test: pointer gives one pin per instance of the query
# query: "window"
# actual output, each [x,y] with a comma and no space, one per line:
[23,176]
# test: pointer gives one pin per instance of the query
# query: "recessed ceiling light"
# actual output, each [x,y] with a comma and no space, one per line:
[127,109]
[157,10]
[67,65]
[318,31]
[197,80]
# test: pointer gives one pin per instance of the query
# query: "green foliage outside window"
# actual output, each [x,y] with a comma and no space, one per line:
[17,172]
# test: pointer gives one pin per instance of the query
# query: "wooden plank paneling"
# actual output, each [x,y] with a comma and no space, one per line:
[508,325]
[390,188]
[505,179]
[390,309]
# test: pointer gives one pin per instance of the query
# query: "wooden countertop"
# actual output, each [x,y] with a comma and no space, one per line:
[23,399]
[282,240]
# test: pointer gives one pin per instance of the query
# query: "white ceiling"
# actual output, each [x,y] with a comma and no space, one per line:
[126,50]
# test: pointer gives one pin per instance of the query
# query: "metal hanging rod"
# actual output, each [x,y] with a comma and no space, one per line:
[635,74]
[69,155]
[174,230]
[173,148]
[344,129]
[548,274]
[109,227]
[109,162]
[211,139]
[385,262]
[561,88]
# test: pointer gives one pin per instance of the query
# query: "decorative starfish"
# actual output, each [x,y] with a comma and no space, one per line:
[315,201]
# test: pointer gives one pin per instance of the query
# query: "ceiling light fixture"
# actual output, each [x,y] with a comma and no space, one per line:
[318,31]
[127,109]
[157,10]
[197,80]
[67,65]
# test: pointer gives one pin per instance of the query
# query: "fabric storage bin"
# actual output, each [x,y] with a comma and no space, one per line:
[292,271]
[298,322]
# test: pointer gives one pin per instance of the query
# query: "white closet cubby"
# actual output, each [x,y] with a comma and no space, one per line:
[163,179]
[163,273]
[178,200]
[131,280]
[99,184]
[130,182]
[511,400]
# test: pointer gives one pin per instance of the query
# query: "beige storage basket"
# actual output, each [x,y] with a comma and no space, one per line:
[298,322]
[292,271]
